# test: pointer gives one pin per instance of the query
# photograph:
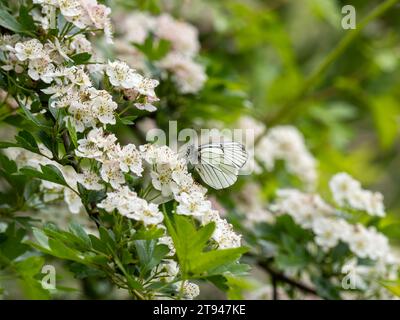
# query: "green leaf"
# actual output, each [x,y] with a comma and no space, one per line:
[392,286]
[41,238]
[81,58]
[11,245]
[191,245]
[27,269]
[150,254]
[5,145]
[49,173]
[153,49]
[60,250]
[80,233]
[27,141]
[72,133]
[25,19]
[9,22]
[214,259]
[8,165]
[98,245]
[47,140]
[107,236]
[128,120]
[148,234]
[38,120]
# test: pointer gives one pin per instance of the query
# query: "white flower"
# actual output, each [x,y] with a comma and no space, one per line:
[129,205]
[77,76]
[81,44]
[121,75]
[161,180]
[286,143]
[103,109]
[368,243]
[327,233]
[81,116]
[225,236]
[111,173]
[302,207]
[125,200]
[145,106]
[90,180]
[171,270]
[154,154]
[89,148]
[167,240]
[343,186]
[99,13]
[190,290]
[188,75]
[182,182]
[130,159]
[182,36]
[193,204]
[210,216]
[31,49]
[41,69]
[146,87]
[70,8]
[348,191]
[148,213]
[136,26]
[73,200]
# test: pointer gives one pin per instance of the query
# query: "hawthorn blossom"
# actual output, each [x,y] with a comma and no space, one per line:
[188,75]
[90,180]
[111,173]
[103,109]
[326,231]
[190,290]
[130,159]
[225,236]
[41,69]
[121,75]
[193,204]
[347,191]
[29,50]
[286,143]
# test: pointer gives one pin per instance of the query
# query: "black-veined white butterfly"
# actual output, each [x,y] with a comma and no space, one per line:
[218,164]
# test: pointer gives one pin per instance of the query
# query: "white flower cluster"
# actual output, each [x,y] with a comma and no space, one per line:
[72,88]
[311,212]
[137,27]
[81,13]
[348,192]
[115,160]
[286,143]
[130,205]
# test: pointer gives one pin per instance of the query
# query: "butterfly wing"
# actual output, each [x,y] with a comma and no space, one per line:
[216,168]
[234,152]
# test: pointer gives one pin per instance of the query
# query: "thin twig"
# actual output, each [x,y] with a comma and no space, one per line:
[279,276]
